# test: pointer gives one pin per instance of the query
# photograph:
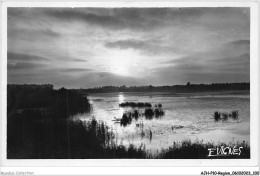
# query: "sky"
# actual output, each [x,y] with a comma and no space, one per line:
[93,47]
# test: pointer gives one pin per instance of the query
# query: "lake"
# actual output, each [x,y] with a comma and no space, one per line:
[188,116]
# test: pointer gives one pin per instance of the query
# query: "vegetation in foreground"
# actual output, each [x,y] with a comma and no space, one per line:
[30,136]
[40,129]
[199,150]
[46,100]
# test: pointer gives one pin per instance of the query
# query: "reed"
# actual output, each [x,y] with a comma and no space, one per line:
[217,116]
[234,115]
[43,130]
[136,114]
[225,116]
[199,150]
[149,112]
[32,136]
[158,112]
[133,104]
[126,119]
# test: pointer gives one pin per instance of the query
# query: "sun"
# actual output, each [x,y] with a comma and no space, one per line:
[121,62]
[120,68]
[126,63]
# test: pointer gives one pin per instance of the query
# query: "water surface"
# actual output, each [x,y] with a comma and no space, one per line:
[187,116]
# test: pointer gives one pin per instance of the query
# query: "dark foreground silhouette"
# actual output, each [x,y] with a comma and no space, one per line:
[41,129]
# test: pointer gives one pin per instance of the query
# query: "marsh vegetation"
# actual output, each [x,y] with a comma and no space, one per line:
[30,136]
[135,114]
[39,127]
[224,116]
[133,104]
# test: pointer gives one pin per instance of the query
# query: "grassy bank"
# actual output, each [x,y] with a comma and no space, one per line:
[33,136]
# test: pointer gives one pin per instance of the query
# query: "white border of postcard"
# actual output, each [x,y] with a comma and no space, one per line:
[254,94]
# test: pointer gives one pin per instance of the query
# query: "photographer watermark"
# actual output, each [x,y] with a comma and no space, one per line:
[225,151]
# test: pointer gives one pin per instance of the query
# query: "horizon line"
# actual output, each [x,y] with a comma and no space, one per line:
[135,86]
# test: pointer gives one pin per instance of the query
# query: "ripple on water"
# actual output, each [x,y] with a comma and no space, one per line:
[193,112]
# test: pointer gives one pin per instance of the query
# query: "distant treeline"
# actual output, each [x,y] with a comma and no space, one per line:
[175,88]
[30,86]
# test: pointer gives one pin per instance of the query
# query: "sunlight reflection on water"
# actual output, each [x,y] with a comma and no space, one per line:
[121,98]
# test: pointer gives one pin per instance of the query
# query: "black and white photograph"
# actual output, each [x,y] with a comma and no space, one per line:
[128,83]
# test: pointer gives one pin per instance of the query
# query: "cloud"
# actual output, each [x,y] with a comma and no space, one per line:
[45,33]
[68,14]
[235,64]
[139,19]
[221,53]
[24,65]
[226,66]
[78,60]
[148,47]
[11,56]
[229,62]
[238,45]
[126,44]
[73,70]
[126,18]
[97,79]
[157,45]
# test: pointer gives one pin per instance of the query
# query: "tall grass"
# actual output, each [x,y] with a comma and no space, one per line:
[199,150]
[32,136]
[43,131]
